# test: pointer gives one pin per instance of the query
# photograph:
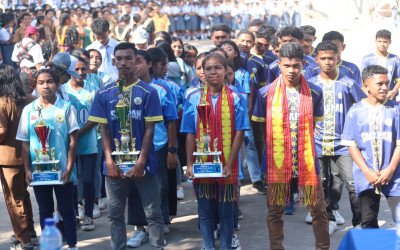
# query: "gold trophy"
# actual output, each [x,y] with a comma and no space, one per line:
[202,168]
[125,148]
[46,170]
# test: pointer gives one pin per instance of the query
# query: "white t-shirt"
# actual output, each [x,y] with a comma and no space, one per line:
[35,52]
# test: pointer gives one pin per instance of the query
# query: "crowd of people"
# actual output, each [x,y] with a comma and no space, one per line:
[328,123]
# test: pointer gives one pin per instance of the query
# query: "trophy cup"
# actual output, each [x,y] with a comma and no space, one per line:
[125,154]
[202,168]
[46,170]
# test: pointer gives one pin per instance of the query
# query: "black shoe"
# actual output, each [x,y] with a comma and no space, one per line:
[34,239]
[240,214]
[259,186]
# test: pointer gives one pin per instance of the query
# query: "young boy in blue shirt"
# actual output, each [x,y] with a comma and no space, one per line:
[372,134]
[145,111]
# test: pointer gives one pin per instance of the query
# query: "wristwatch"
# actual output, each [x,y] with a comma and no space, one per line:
[173,150]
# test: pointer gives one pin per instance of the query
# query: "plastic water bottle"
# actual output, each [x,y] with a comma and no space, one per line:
[398,227]
[51,238]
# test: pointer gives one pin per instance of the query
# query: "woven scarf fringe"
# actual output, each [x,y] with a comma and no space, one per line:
[279,194]
[307,195]
[216,191]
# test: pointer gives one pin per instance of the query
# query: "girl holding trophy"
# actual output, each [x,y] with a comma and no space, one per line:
[48,131]
[224,126]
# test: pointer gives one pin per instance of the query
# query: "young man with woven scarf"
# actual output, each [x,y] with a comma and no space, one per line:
[290,106]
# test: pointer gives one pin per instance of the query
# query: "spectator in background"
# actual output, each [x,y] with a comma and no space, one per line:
[161,21]
[6,39]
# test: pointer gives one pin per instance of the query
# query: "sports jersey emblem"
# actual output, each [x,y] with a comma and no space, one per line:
[340,96]
[60,118]
[89,98]
[33,117]
[255,70]
[388,122]
[137,100]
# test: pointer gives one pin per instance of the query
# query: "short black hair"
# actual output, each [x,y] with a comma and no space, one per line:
[217,56]
[383,34]
[308,29]
[166,47]
[100,26]
[290,31]
[371,70]
[256,22]
[79,52]
[125,18]
[95,50]
[274,42]
[326,46]
[246,32]
[308,38]
[291,50]
[237,61]
[164,35]
[126,45]
[333,35]
[144,54]
[263,32]
[221,27]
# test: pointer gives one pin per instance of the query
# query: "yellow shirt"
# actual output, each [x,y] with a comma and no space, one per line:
[161,23]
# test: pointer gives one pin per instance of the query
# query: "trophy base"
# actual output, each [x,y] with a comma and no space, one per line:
[122,153]
[46,178]
[45,162]
[125,167]
[207,170]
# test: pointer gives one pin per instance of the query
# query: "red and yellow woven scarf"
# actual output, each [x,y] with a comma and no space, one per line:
[279,149]
[221,126]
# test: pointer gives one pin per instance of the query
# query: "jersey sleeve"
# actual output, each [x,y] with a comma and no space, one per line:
[152,108]
[169,107]
[98,110]
[71,119]
[397,124]
[357,93]
[23,126]
[259,112]
[348,135]
[318,105]
[241,115]
[188,124]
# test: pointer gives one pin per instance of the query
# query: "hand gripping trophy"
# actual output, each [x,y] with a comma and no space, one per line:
[202,168]
[125,149]
[46,170]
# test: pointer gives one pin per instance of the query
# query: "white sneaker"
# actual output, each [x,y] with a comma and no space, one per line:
[235,242]
[308,218]
[72,248]
[96,211]
[138,238]
[338,217]
[102,204]
[81,212]
[332,227]
[87,224]
[166,229]
[180,195]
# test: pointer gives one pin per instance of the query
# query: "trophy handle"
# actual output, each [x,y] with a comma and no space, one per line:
[215,144]
[116,142]
[36,154]
[53,154]
[133,144]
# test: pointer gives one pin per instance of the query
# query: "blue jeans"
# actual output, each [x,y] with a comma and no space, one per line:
[86,179]
[118,190]
[207,209]
[98,177]
[65,204]
[253,164]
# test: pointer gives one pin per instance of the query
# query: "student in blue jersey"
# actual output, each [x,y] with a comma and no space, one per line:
[289,107]
[242,77]
[340,93]
[81,93]
[145,110]
[60,117]
[216,195]
[261,45]
[165,146]
[372,134]
[382,57]
[286,35]
[345,68]
[310,31]
[95,61]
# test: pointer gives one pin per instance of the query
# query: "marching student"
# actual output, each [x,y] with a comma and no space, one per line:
[216,195]
[371,133]
[339,94]
[60,116]
[145,105]
[391,62]
[289,106]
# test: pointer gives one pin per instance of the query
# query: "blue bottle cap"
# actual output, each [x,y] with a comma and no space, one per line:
[49,222]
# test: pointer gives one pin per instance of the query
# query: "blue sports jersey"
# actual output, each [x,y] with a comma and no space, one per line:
[173,87]
[274,70]
[61,120]
[376,132]
[345,69]
[339,95]
[257,69]
[105,78]
[169,112]
[82,101]
[391,63]
[267,58]
[242,81]
[145,107]
[189,117]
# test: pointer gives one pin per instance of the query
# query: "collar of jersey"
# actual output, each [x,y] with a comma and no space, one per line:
[130,85]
